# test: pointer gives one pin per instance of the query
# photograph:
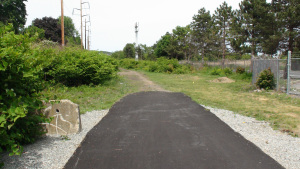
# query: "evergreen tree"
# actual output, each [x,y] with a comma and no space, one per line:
[289,16]
[238,35]
[202,27]
[222,18]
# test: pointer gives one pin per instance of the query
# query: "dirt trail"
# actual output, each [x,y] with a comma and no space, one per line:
[142,81]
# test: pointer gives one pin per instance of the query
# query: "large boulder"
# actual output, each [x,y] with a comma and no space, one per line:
[66,118]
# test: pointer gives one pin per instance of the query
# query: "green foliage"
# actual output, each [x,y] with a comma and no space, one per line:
[74,67]
[118,55]
[265,80]
[19,88]
[161,65]
[227,71]
[216,71]
[240,70]
[52,29]
[33,30]
[129,51]
[13,11]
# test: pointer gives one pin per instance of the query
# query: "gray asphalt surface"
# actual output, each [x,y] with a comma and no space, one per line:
[161,130]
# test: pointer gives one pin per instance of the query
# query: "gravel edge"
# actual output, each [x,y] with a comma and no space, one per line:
[53,151]
[282,147]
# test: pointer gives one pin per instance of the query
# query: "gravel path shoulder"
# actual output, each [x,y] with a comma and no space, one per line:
[282,147]
[53,152]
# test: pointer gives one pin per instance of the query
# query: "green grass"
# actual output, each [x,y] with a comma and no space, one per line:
[282,111]
[93,97]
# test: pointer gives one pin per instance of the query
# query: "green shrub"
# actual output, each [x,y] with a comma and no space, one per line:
[216,71]
[227,71]
[161,65]
[265,80]
[240,70]
[19,87]
[74,67]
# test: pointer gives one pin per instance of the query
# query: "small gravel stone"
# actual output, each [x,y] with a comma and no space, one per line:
[282,147]
[53,151]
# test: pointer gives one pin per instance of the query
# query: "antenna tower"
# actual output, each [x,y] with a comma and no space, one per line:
[136,40]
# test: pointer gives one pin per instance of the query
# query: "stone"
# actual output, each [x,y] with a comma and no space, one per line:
[66,117]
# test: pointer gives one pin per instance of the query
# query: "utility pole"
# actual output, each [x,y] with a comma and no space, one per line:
[136,40]
[81,23]
[85,47]
[62,24]
[89,38]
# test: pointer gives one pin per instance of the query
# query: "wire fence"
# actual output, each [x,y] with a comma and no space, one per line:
[287,79]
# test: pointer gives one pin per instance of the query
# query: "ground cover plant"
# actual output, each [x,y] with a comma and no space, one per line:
[282,111]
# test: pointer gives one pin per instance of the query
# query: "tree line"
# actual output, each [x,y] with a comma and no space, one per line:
[256,28]
[48,28]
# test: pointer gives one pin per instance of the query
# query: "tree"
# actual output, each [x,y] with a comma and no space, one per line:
[238,35]
[71,34]
[129,51]
[52,29]
[181,38]
[69,26]
[222,18]
[162,45]
[255,16]
[118,55]
[289,15]
[202,27]
[13,11]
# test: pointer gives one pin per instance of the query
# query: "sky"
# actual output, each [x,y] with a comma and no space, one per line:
[112,21]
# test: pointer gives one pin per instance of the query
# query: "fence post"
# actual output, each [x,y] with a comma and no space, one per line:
[278,72]
[288,72]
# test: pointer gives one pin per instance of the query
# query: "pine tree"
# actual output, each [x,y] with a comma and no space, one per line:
[222,19]
[202,27]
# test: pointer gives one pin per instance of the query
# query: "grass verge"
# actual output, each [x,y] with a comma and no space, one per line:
[93,97]
[282,111]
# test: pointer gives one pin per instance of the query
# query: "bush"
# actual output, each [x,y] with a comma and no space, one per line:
[216,71]
[161,65]
[240,70]
[266,80]
[74,67]
[227,71]
[19,87]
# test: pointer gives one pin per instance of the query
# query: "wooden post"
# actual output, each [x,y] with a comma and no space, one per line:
[85,34]
[62,24]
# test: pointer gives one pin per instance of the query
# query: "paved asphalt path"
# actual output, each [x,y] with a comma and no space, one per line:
[161,130]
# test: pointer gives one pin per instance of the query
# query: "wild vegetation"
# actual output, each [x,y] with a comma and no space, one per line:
[257,27]
[234,92]
[28,68]
[161,65]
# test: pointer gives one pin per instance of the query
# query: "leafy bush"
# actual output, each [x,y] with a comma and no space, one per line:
[19,87]
[265,80]
[161,65]
[227,71]
[128,63]
[74,67]
[240,70]
[216,71]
